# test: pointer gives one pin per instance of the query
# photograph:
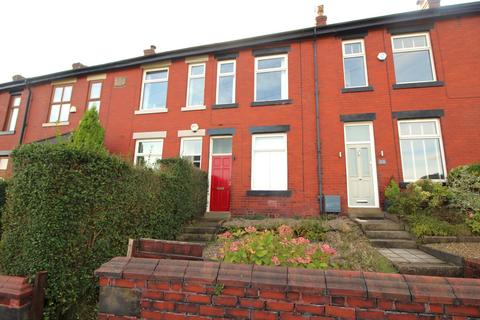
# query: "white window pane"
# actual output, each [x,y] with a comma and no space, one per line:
[197,70]
[150,147]
[57,96]
[54,113]
[226,67]
[405,129]
[352,162]
[94,105]
[355,72]
[192,147]
[271,63]
[196,91]
[429,127]
[365,160]
[96,90]
[222,146]
[3,163]
[413,66]
[351,48]
[155,95]
[269,86]
[151,161]
[407,160]
[278,170]
[225,89]
[156,75]
[415,128]
[64,112]
[67,94]
[13,119]
[419,159]
[16,101]
[261,172]
[357,133]
[195,160]
[270,143]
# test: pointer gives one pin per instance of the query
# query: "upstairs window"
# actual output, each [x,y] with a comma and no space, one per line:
[271,78]
[14,108]
[226,82]
[60,108]
[191,149]
[421,150]
[269,162]
[148,153]
[154,91]
[354,64]
[196,85]
[94,96]
[413,59]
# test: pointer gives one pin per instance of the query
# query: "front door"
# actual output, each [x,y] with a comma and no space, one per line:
[220,174]
[361,171]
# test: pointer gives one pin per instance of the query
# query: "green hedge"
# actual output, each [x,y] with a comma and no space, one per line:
[69,210]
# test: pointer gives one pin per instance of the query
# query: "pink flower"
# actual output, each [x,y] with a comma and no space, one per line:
[275,260]
[234,246]
[327,249]
[300,240]
[305,260]
[250,229]
[285,231]
[225,235]
[311,250]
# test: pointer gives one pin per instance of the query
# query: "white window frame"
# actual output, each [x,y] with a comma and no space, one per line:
[182,141]
[60,103]
[137,142]
[91,101]
[427,47]
[144,81]
[190,66]
[14,111]
[355,55]
[432,136]
[263,135]
[227,74]
[284,93]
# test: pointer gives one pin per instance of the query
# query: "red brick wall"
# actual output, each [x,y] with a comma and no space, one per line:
[173,289]
[15,298]
[471,267]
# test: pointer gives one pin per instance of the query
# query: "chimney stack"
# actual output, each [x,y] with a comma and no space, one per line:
[18,77]
[428,4]
[78,65]
[150,51]
[321,19]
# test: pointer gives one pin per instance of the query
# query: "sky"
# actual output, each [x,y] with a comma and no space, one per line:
[41,37]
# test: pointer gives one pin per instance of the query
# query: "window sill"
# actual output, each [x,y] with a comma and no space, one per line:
[194,108]
[418,85]
[404,184]
[6,133]
[150,111]
[55,124]
[269,193]
[225,106]
[357,89]
[271,103]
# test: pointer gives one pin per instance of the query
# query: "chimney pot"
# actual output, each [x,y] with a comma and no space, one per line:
[18,77]
[149,51]
[428,4]
[78,65]
[321,18]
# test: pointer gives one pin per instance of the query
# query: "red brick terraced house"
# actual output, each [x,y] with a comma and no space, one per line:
[295,123]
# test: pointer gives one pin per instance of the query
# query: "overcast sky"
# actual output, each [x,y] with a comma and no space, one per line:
[45,36]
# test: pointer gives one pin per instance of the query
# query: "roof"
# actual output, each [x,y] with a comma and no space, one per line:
[465,9]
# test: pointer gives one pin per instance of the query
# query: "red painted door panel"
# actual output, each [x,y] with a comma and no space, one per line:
[220,183]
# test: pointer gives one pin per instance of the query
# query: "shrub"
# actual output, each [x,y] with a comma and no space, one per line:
[424,225]
[311,229]
[278,247]
[70,209]
[90,133]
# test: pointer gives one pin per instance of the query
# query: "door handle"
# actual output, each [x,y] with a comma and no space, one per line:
[220,188]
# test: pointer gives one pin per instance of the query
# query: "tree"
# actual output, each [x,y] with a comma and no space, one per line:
[89,134]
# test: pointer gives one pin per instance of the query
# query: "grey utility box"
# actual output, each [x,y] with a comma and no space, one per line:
[331,204]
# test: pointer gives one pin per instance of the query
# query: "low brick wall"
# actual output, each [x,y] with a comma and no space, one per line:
[471,267]
[165,249]
[136,288]
[15,298]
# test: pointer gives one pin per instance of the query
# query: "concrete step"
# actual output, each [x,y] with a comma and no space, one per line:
[393,243]
[220,215]
[430,269]
[388,234]
[200,229]
[195,237]
[379,225]
[368,213]
[206,223]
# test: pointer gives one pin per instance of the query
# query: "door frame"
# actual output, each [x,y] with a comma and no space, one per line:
[372,156]
[210,154]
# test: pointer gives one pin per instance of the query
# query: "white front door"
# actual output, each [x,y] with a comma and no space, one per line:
[361,169]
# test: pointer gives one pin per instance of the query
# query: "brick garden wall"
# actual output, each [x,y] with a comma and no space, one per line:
[471,267]
[15,298]
[135,288]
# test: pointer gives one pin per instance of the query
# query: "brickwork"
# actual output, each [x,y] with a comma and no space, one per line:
[174,289]
[15,298]
[471,267]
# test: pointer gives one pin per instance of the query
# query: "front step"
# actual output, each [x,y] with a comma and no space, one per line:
[394,243]
[200,229]
[379,225]
[433,269]
[388,235]
[366,213]
[195,237]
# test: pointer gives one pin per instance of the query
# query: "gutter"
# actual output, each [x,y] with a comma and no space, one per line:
[27,109]
[317,122]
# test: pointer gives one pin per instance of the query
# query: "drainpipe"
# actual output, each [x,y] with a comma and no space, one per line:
[27,109]
[317,119]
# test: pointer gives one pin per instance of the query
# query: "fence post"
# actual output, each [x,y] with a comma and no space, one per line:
[38,299]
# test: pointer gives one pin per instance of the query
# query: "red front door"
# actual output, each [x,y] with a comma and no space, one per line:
[220,183]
